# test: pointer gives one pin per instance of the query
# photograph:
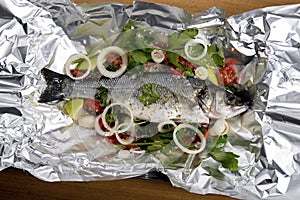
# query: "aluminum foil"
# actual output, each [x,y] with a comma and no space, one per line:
[34,137]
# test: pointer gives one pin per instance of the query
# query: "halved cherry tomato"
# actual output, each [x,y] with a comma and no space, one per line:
[150,64]
[232,61]
[92,106]
[177,72]
[191,139]
[186,63]
[76,73]
[228,75]
[112,139]
[114,59]
[205,133]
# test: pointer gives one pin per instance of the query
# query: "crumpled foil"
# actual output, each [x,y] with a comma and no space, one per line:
[43,34]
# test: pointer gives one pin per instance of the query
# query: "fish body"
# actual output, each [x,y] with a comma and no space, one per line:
[176,102]
[181,98]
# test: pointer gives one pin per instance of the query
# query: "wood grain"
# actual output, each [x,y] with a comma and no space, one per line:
[15,184]
[231,7]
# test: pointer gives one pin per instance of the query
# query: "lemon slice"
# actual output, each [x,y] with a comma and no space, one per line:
[84,65]
[74,108]
[212,76]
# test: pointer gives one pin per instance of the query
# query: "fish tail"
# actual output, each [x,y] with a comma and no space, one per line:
[55,86]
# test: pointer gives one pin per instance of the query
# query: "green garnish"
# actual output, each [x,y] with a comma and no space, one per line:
[77,61]
[174,60]
[178,39]
[217,55]
[227,159]
[191,32]
[149,94]
[102,95]
[138,57]
[110,118]
[110,67]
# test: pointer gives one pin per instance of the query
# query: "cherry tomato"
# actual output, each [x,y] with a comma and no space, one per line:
[228,74]
[177,72]
[76,73]
[191,139]
[92,106]
[232,61]
[205,133]
[150,64]
[101,125]
[114,59]
[112,139]
[186,63]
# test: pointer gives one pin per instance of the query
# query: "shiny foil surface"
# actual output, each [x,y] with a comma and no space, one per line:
[39,138]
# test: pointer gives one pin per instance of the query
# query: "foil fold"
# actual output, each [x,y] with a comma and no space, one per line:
[37,34]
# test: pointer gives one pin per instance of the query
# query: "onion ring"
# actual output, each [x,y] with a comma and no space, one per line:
[193,42]
[69,63]
[161,125]
[157,56]
[112,129]
[122,141]
[220,127]
[101,59]
[201,73]
[184,149]
[99,130]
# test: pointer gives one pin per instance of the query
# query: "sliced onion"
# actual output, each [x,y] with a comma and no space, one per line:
[161,125]
[69,64]
[157,56]
[113,129]
[184,149]
[101,59]
[99,129]
[194,42]
[87,121]
[201,73]
[123,154]
[137,151]
[127,141]
[220,127]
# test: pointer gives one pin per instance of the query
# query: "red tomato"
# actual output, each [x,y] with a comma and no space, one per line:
[191,139]
[186,63]
[92,106]
[205,133]
[114,59]
[76,73]
[112,139]
[100,122]
[228,75]
[176,71]
[150,64]
[232,61]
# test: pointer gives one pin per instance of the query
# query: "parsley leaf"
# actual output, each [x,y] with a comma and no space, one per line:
[191,32]
[102,95]
[179,39]
[174,60]
[138,57]
[227,159]
[216,54]
[149,94]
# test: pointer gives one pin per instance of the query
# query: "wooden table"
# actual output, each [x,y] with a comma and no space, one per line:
[15,184]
